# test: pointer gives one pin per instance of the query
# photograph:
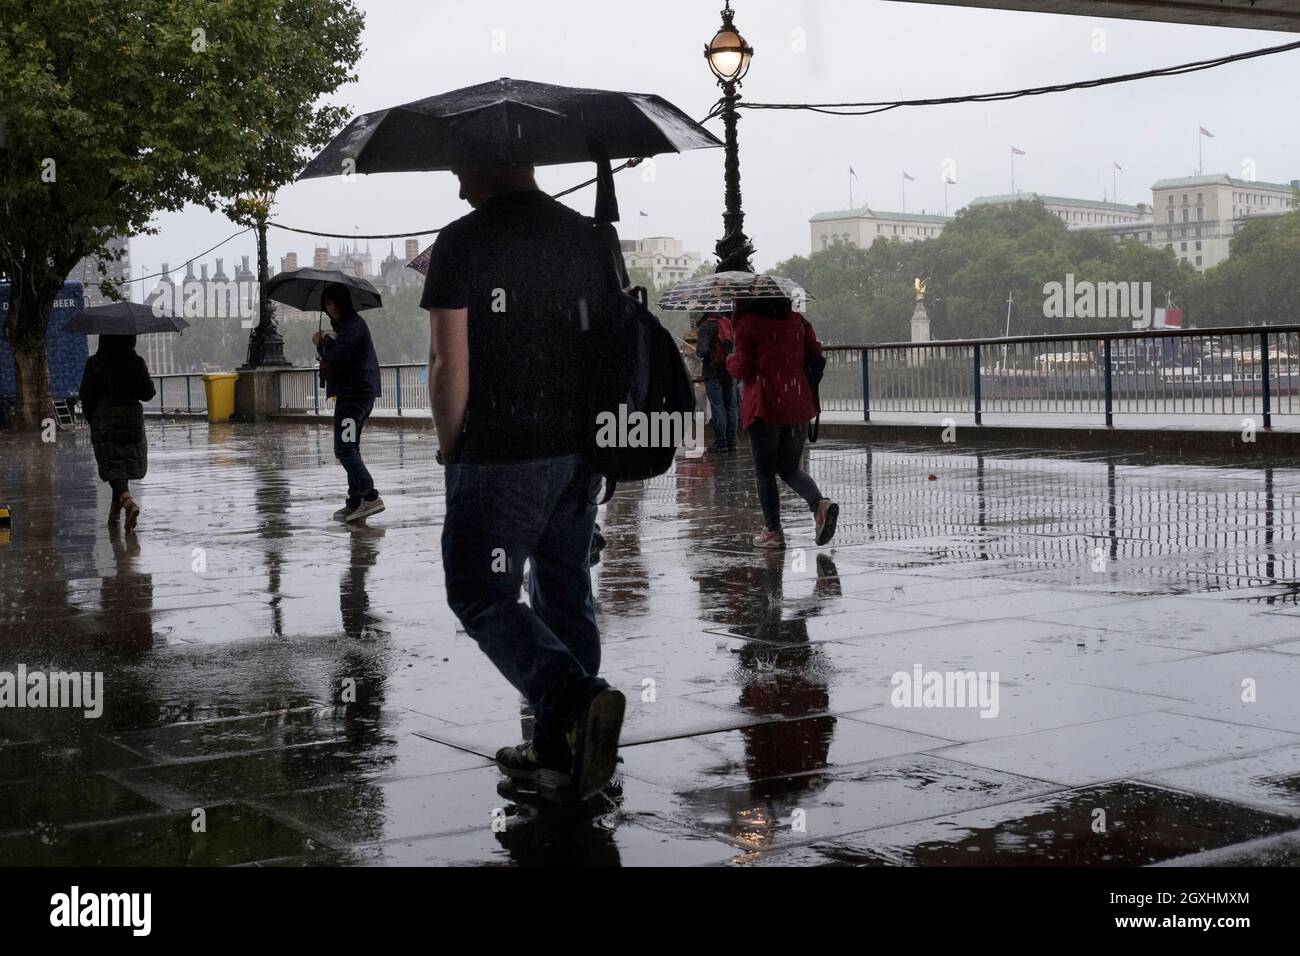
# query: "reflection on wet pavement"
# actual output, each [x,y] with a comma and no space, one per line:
[305,686]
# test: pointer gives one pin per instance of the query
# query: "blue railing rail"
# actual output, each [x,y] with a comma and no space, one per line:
[1236,370]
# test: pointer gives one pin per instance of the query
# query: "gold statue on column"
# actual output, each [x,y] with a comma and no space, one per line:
[920,288]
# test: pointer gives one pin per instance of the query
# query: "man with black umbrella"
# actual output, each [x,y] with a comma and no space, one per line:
[351,370]
[510,288]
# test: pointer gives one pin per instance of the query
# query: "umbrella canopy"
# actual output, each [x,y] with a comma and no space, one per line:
[123,318]
[302,288]
[718,292]
[509,121]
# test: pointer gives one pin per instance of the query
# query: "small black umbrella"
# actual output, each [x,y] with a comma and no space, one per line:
[123,318]
[302,289]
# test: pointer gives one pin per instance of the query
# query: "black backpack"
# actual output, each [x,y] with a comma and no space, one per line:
[637,371]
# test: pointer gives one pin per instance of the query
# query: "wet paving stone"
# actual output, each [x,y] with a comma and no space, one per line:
[662,719]
[767,750]
[234,835]
[56,799]
[548,841]
[775,813]
[1016,710]
[1121,824]
[66,754]
[1119,747]
[1270,781]
[758,682]
[223,736]
[287,769]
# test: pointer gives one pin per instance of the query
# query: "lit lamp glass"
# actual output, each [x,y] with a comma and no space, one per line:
[728,55]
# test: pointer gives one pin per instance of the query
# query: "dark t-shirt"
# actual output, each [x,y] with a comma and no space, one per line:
[526,267]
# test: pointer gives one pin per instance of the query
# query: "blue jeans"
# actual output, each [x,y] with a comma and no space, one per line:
[356,411]
[498,515]
[722,405]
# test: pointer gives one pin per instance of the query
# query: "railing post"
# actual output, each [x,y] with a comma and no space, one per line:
[162,387]
[397,373]
[866,386]
[314,384]
[189,400]
[979,403]
[1264,374]
[1105,361]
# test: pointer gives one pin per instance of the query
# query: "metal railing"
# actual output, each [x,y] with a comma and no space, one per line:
[178,394]
[403,389]
[1224,371]
[1221,371]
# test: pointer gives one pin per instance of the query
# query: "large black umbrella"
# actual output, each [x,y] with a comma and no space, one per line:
[123,318]
[302,289]
[509,121]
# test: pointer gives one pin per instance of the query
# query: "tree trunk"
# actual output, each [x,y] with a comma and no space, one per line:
[29,317]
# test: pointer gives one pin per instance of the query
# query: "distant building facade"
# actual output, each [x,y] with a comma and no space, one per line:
[861,227]
[1076,213]
[662,257]
[1196,217]
[87,272]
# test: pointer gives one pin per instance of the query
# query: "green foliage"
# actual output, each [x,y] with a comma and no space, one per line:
[986,253]
[1259,283]
[116,110]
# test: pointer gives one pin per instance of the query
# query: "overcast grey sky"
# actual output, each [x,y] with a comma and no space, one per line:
[794,164]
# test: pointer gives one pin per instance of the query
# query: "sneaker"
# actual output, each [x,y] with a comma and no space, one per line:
[770,539]
[342,513]
[827,513]
[593,739]
[364,510]
[523,763]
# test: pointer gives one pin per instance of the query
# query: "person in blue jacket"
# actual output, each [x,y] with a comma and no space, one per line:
[351,370]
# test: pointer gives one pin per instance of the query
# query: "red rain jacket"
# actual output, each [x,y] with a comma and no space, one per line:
[769,360]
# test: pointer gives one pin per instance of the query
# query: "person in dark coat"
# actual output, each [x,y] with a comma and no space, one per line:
[349,360]
[114,384]
[713,347]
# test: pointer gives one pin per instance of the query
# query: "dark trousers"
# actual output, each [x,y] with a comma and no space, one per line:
[722,405]
[498,516]
[350,416]
[777,451]
[119,487]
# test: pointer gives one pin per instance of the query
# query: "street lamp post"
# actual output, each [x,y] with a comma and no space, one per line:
[265,345]
[729,55]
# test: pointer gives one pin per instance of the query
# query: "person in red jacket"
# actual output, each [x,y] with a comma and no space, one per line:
[772,342]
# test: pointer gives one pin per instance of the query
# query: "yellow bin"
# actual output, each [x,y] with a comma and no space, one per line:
[220,388]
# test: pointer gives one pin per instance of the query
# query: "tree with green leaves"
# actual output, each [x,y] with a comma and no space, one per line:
[114,111]
[1259,282]
[985,255]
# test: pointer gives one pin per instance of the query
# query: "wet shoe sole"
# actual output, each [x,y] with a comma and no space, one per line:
[828,529]
[604,723]
[551,784]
